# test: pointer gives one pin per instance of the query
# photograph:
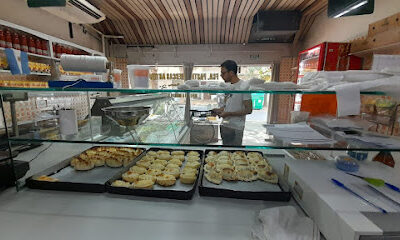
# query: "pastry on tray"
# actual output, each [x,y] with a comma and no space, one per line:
[83,165]
[147,177]
[172,171]
[187,177]
[229,174]
[166,180]
[175,161]
[268,176]
[137,169]
[179,157]
[193,158]
[114,162]
[177,153]
[144,164]
[214,177]
[154,172]
[143,184]
[246,175]
[193,153]
[156,166]
[194,165]
[130,176]
[46,178]
[120,183]
[159,161]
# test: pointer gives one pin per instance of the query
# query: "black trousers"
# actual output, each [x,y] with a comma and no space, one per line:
[231,136]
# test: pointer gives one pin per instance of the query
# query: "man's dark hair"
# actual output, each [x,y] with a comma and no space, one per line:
[230,65]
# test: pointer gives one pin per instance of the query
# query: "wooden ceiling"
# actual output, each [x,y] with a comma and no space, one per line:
[150,22]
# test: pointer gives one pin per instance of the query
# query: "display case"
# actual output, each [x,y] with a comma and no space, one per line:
[154,121]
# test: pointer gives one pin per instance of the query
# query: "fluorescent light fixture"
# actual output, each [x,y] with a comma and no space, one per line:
[351,8]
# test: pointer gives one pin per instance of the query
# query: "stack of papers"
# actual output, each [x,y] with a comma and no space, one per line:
[297,134]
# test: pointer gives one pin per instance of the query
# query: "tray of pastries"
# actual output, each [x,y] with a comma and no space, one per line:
[240,174]
[87,171]
[164,173]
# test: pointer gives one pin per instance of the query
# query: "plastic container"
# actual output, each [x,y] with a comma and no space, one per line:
[138,76]
[346,163]
[117,78]
[298,116]
[359,155]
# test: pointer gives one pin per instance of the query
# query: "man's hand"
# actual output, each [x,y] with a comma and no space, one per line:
[217,111]
[224,114]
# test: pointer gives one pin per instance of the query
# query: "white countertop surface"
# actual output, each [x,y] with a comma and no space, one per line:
[39,214]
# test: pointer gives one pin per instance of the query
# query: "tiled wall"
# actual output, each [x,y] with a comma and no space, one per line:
[287,73]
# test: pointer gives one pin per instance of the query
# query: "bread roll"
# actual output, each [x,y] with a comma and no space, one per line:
[119,183]
[213,177]
[156,166]
[152,153]
[147,177]
[114,162]
[164,156]
[83,165]
[130,176]
[166,180]
[143,164]
[138,170]
[177,153]
[178,157]
[194,165]
[162,162]
[193,153]
[143,184]
[172,171]
[160,152]
[187,178]
[175,161]
[193,158]
[154,172]
[171,165]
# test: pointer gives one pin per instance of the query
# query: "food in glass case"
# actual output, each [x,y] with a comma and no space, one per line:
[100,156]
[238,166]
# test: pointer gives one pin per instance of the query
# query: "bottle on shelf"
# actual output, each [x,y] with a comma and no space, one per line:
[38,46]
[8,39]
[31,45]
[44,48]
[2,39]
[15,42]
[24,43]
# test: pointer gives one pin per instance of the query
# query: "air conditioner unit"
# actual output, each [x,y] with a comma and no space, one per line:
[77,11]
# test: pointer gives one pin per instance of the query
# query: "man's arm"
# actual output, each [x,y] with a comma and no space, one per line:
[248,109]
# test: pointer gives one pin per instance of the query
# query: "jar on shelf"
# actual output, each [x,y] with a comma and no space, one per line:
[38,45]
[15,42]
[31,45]
[44,48]
[24,43]
[8,39]
[2,39]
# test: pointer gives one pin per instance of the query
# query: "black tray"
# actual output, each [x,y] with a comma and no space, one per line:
[164,192]
[101,174]
[220,191]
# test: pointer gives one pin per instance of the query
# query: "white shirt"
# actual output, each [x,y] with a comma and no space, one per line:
[234,103]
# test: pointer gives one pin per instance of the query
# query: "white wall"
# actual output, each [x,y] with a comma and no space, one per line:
[17,12]
[207,54]
[347,28]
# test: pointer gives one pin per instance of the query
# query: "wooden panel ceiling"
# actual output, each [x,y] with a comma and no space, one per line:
[149,22]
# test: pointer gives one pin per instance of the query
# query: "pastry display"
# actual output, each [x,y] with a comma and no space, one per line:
[237,166]
[100,156]
[163,168]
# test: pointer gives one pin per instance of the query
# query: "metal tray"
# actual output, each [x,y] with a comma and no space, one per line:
[256,190]
[178,191]
[78,181]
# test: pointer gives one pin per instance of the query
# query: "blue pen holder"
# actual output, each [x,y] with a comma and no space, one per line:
[347,164]
[360,156]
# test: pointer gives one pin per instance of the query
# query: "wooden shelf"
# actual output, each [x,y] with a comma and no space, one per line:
[381,49]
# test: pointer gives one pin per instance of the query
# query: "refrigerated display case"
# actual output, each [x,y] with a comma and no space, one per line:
[326,56]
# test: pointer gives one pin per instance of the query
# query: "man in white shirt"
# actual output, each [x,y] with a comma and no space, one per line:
[237,106]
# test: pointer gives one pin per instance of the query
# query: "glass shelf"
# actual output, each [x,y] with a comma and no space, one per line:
[141,91]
